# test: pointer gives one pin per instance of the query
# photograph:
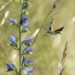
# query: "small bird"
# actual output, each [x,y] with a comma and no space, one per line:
[57,31]
[49,29]
[54,6]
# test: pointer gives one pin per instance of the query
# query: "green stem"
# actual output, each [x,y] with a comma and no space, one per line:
[20,55]
[19,51]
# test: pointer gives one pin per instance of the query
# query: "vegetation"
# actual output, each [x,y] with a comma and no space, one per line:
[47,49]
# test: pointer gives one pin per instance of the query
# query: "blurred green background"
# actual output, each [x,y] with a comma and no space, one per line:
[47,49]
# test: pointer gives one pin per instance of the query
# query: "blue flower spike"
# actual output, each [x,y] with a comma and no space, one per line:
[13,40]
[10,67]
[24,19]
[28,41]
[12,21]
[27,70]
[25,65]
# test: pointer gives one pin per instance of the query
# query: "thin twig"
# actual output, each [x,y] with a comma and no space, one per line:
[61,66]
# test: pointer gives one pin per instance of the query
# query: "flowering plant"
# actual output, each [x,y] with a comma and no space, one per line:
[23,47]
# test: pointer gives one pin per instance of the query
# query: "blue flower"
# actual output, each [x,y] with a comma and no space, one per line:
[29,61]
[13,40]
[26,25]
[27,50]
[24,19]
[12,21]
[26,61]
[28,40]
[28,70]
[10,67]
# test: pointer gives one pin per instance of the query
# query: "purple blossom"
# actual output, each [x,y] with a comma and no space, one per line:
[26,25]
[29,61]
[27,50]
[28,70]
[10,67]
[28,40]
[26,61]
[13,39]
[24,19]
[12,21]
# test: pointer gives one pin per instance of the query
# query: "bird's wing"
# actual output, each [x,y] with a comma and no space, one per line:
[58,30]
